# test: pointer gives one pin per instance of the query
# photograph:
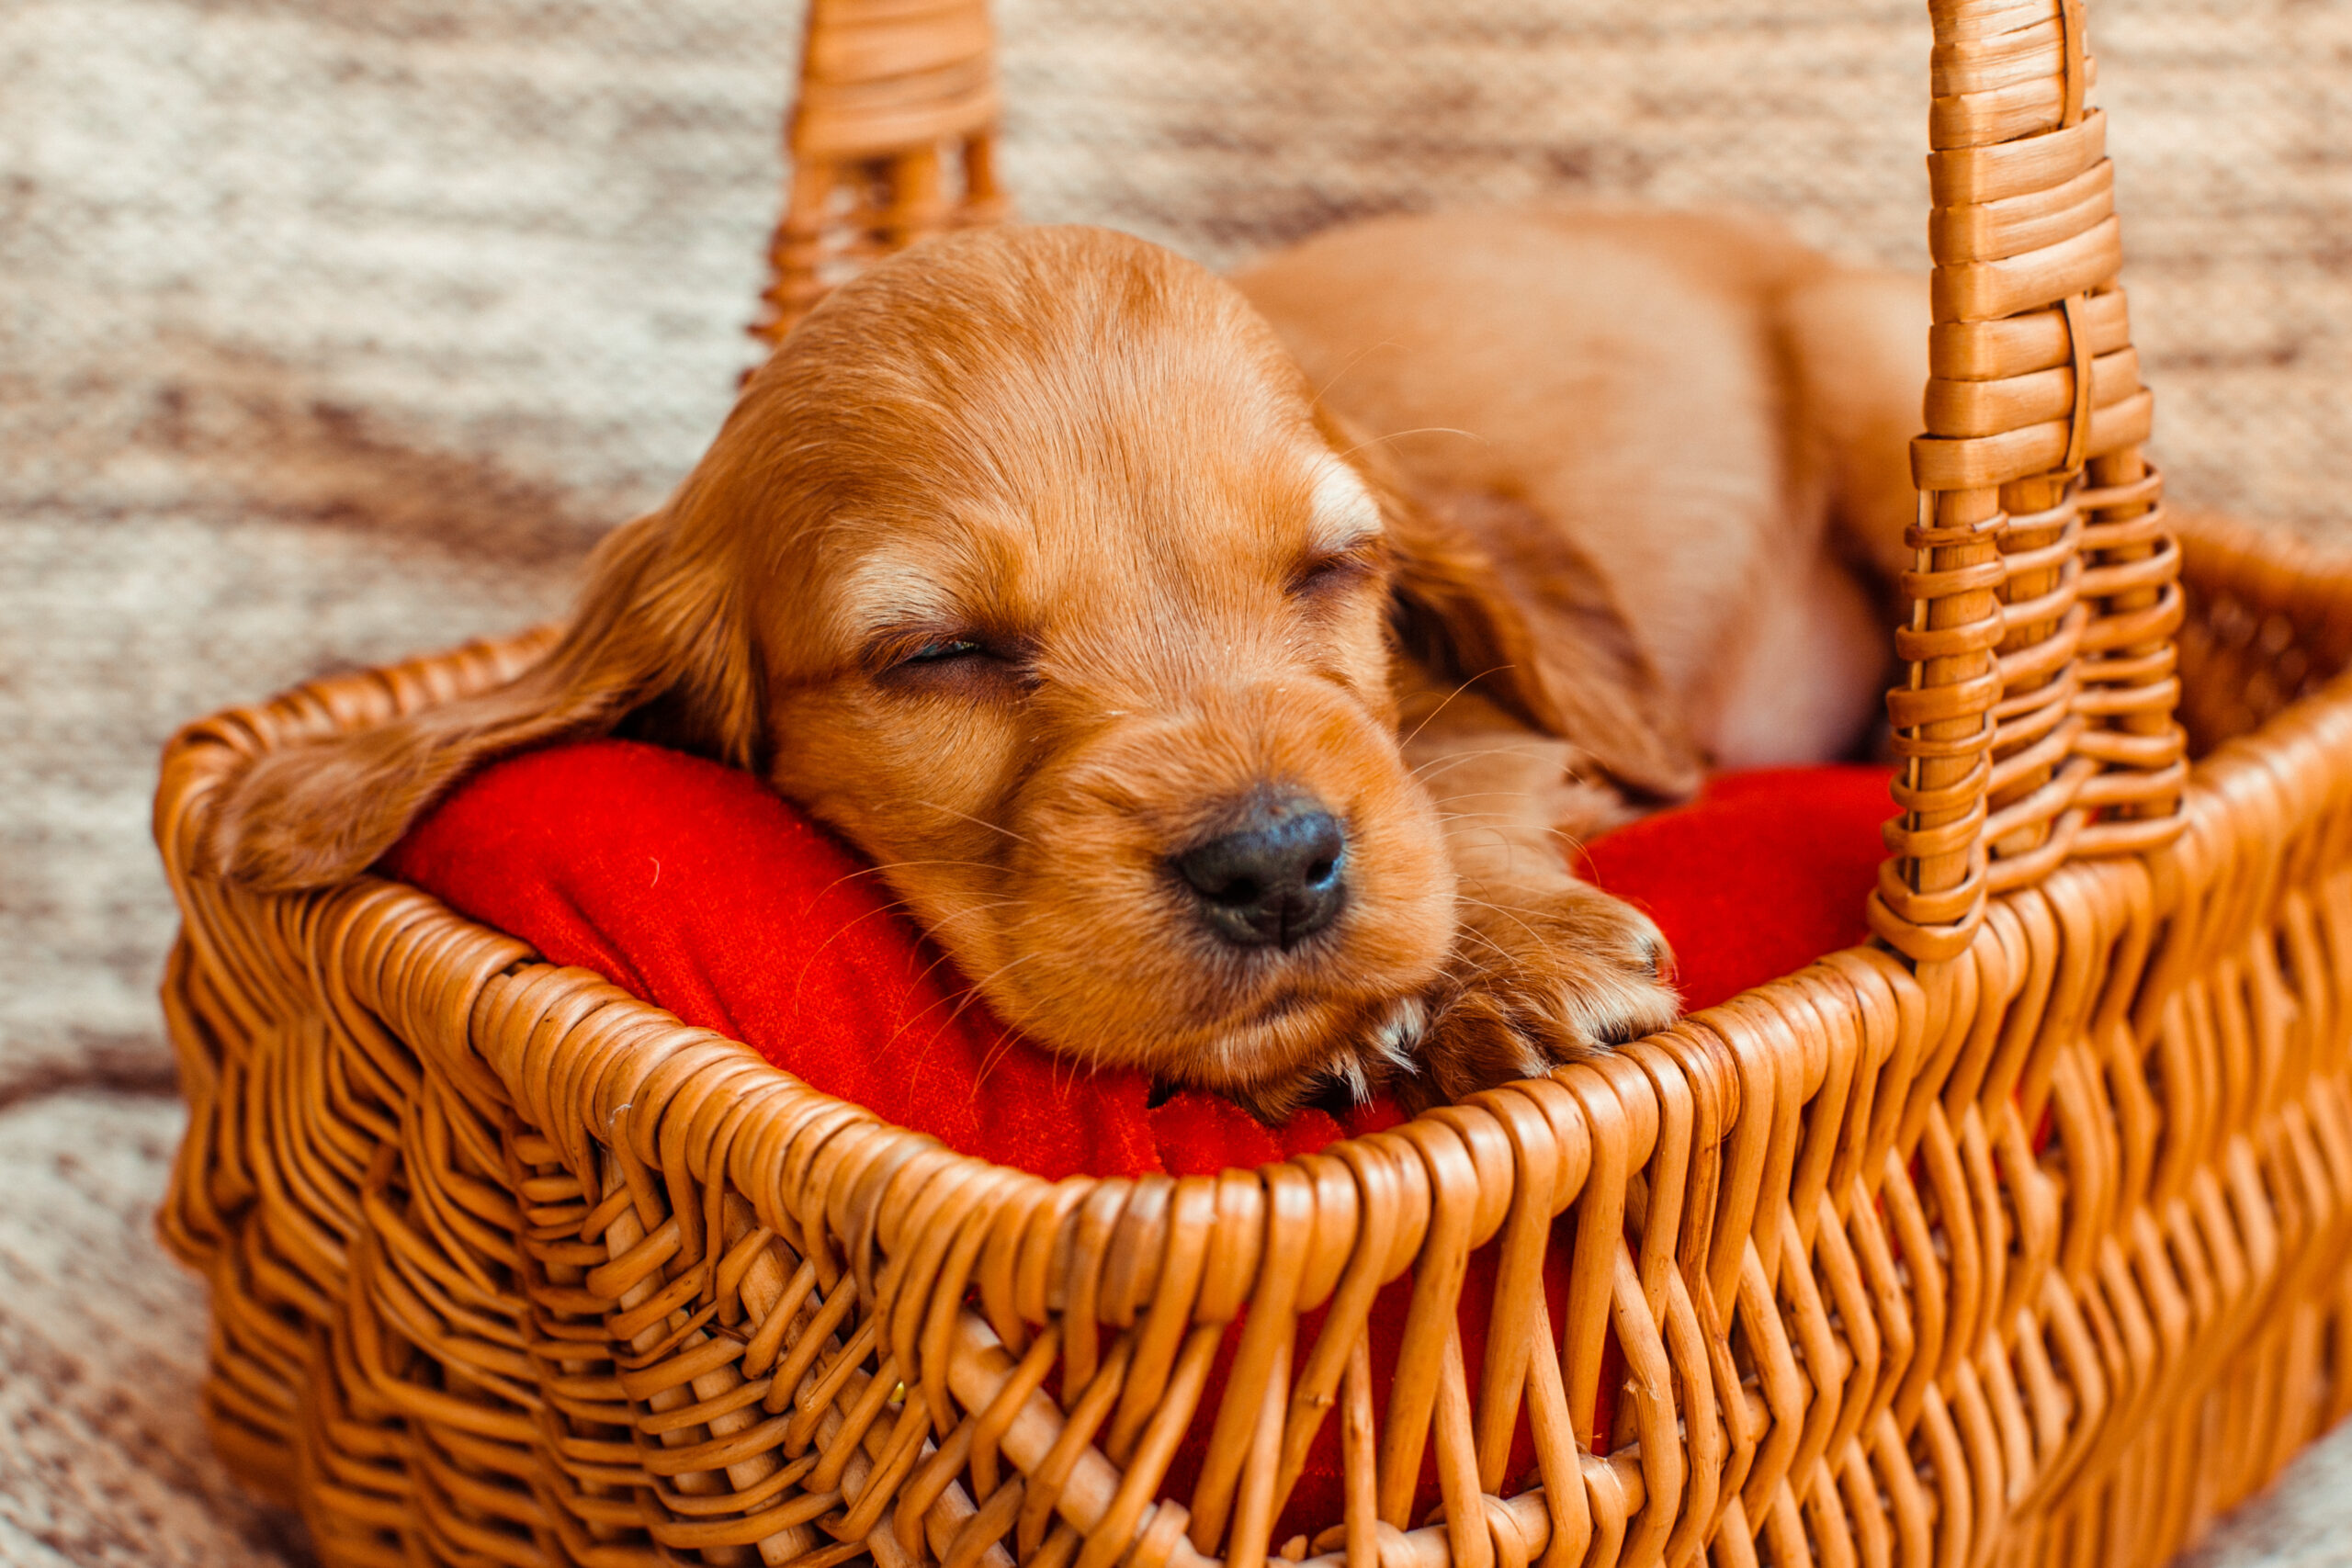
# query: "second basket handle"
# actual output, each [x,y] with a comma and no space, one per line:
[2036,723]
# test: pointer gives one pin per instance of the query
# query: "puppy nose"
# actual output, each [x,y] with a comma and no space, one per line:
[1276,879]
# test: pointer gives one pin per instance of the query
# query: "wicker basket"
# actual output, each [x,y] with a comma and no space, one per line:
[2018,1235]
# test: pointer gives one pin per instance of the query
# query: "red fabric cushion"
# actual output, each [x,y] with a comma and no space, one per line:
[694,888]
[1761,874]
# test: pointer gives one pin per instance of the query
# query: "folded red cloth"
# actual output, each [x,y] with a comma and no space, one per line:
[694,888]
[1761,874]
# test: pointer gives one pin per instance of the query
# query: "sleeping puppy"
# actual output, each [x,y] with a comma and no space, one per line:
[1215,670]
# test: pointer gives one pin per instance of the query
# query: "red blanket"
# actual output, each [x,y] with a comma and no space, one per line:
[694,888]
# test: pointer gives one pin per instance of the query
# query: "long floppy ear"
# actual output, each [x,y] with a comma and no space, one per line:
[1489,592]
[657,640]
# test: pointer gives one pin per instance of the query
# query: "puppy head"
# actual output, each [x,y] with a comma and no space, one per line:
[1072,618]
[1028,564]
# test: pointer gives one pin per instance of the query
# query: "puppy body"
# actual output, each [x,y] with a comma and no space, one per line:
[1205,734]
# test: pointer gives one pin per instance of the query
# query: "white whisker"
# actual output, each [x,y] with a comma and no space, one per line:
[1498,669]
[975,821]
[1422,430]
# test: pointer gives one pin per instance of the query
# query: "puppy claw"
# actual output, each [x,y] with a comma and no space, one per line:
[1387,1053]
[1350,1076]
[1394,1041]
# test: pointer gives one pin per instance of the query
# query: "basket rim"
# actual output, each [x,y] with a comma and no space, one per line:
[199,754]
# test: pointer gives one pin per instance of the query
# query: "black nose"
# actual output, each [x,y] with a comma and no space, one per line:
[1278,878]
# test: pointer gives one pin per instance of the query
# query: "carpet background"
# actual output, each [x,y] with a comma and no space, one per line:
[331,329]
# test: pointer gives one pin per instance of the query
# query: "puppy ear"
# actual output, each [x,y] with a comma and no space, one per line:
[1488,593]
[656,636]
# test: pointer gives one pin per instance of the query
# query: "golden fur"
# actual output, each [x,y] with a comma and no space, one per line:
[1034,554]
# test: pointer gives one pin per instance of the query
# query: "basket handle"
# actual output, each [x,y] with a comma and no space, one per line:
[2036,723]
[892,136]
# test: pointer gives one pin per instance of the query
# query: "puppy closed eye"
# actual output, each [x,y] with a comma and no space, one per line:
[947,648]
[1345,544]
[1325,575]
[919,662]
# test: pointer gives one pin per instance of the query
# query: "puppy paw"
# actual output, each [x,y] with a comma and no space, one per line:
[1540,982]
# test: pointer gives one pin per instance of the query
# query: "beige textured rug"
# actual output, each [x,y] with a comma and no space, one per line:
[334,329]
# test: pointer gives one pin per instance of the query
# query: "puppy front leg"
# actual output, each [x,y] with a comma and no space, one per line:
[1546,968]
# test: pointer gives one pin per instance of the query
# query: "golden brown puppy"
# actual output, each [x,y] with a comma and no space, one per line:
[1033,564]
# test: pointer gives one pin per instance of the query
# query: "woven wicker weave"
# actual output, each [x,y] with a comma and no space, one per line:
[2019,1238]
